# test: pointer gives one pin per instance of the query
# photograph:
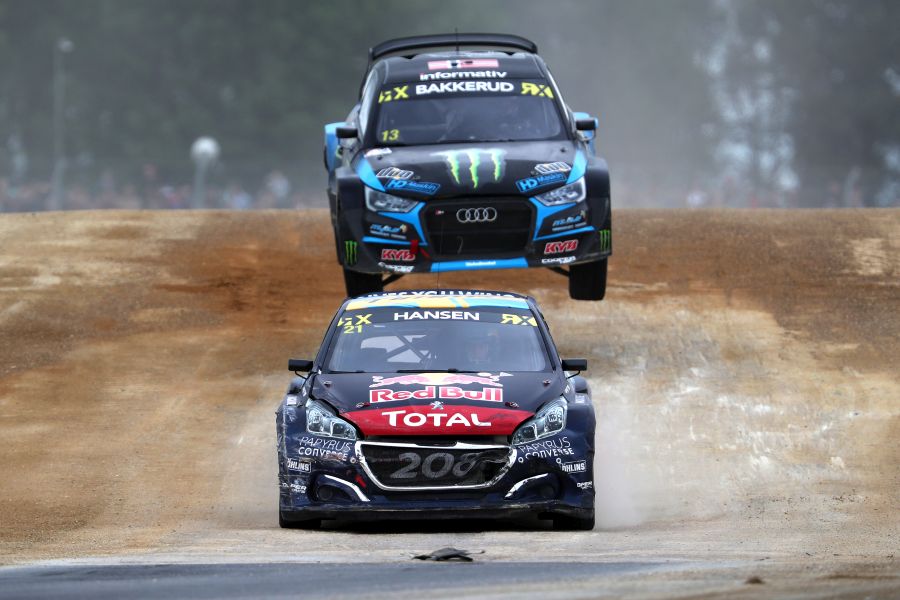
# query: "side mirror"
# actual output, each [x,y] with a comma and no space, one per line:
[574,364]
[346,133]
[580,384]
[582,125]
[299,364]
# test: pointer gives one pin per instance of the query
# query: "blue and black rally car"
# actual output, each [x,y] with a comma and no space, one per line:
[436,404]
[466,159]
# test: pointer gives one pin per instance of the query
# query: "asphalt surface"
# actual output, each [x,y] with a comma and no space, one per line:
[291,580]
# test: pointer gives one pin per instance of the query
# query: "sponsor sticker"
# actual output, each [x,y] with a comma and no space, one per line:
[560,247]
[431,392]
[394,173]
[585,485]
[605,239]
[570,222]
[350,325]
[422,187]
[465,164]
[327,449]
[536,89]
[396,268]
[518,320]
[480,263]
[438,75]
[559,260]
[455,87]
[400,92]
[295,464]
[574,467]
[394,231]
[440,315]
[437,419]
[449,419]
[531,183]
[298,488]
[398,254]
[350,252]
[553,167]
[553,448]
[463,63]
[481,378]
[443,386]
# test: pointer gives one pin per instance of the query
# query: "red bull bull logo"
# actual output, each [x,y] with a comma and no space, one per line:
[440,379]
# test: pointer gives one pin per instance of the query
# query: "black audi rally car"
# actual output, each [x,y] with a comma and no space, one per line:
[461,160]
[436,404]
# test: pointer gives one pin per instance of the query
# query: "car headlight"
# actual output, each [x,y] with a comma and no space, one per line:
[548,421]
[574,192]
[377,201]
[321,420]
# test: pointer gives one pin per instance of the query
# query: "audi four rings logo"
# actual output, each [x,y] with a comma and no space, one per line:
[477,215]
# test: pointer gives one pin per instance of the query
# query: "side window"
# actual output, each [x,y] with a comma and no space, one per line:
[566,111]
[553,348]
[366,102]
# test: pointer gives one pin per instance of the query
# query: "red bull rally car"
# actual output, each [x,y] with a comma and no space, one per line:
[436,404]
[463,160]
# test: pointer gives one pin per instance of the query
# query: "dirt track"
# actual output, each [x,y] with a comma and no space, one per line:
[746,371]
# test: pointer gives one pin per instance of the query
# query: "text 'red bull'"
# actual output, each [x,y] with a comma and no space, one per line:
[432,392]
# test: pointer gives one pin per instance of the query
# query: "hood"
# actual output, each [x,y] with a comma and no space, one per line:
[448,170]
[402,404]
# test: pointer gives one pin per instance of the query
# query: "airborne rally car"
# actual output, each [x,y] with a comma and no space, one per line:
[463,160]
[436,404]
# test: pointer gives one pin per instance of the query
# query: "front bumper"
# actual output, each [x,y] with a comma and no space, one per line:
[550,477]
[509,232]
[438,513]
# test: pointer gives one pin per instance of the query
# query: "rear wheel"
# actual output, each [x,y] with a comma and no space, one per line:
[567,523]
[588,281]
[362,283]
[297,524]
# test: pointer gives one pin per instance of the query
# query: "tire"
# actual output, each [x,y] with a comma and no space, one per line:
[362,283]
[301,524]
[567,523]
[588,281]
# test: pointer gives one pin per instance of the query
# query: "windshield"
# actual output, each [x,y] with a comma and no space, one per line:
[471,339]
[505,114]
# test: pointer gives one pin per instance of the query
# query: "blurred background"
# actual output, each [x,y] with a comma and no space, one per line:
[741,103]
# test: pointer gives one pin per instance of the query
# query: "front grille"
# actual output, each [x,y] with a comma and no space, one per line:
[509,232]
[399,466]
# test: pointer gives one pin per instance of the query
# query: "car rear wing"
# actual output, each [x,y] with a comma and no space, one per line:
[420,42]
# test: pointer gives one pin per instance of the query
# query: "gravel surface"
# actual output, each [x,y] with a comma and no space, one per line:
[745,367]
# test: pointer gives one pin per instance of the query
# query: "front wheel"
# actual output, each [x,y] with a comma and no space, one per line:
[358,284]
[588,281]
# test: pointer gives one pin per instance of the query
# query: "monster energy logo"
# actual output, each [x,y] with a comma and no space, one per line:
[473,158]
[605,239]
[350,252]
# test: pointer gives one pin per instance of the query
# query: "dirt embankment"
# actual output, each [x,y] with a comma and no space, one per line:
[745,367]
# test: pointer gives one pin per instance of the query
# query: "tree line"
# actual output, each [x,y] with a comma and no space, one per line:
[753,103]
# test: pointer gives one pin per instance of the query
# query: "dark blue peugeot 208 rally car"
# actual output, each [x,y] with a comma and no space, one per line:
[436,404]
